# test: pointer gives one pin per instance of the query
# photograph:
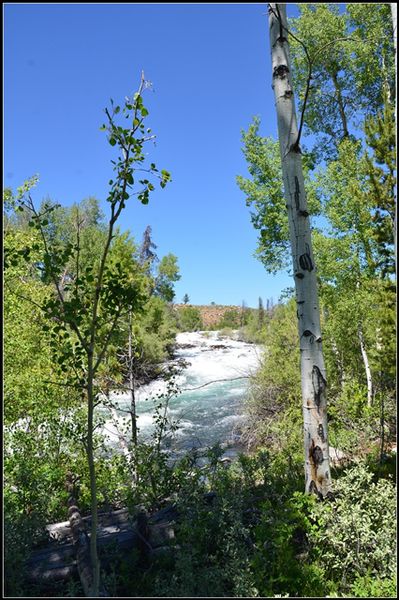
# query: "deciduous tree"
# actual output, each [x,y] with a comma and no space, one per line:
[313,376]
[84,312]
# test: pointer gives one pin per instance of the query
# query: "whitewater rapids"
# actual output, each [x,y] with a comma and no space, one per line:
[204,414]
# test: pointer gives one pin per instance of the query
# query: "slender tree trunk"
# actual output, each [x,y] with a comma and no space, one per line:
[95,562]
[366,367]
[382,428]
[394,14]
[340,105]
[131,383]
[339,362]
[313,377]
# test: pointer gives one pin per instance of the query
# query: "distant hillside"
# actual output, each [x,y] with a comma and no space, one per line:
[212,313]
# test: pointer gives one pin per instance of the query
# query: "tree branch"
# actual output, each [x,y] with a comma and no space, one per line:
[215,381]
[72,325]
[107,340]
[311,61]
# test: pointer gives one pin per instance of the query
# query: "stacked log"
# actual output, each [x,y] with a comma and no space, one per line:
[59,560]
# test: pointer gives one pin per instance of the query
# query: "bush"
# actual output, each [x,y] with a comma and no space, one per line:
[190,319]
[231,319]
[355,538]
[274,400]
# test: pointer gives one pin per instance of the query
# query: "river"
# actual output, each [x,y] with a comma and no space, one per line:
[205,414]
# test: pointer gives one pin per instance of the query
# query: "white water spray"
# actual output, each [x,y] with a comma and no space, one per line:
[213,387]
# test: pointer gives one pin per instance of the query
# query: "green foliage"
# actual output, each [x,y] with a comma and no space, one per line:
[72,282]
[37,453]
[374,71]
[353,192]
[276,390]
[80,276]
[380,169]
[281,561]
[189,318]
[328,52]
[256,324]
[371,587]
[28,360]
[154,333]
[355,535]
[257,535]
[168,273]
[231,319]
[352,62]
[264,194]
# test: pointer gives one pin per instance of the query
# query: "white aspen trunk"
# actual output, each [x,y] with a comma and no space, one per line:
[340,362]
[367,368]
[394,13]
[313,376]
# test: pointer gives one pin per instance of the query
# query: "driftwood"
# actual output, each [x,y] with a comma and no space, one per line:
[59,560]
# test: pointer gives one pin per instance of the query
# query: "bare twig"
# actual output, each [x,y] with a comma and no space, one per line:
[215,381]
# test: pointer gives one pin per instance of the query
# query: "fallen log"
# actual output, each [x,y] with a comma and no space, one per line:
[337,457]
[58,561]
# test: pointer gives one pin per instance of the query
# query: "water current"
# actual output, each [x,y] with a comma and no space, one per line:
[213,385]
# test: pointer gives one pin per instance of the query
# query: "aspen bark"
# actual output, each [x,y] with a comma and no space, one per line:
[394,15]
[366,368]
[313,376]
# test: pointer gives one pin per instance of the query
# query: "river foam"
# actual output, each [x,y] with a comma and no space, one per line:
[212,388]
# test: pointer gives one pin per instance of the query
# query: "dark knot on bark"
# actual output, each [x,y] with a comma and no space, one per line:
[305,262]
[281,71]
[319,385]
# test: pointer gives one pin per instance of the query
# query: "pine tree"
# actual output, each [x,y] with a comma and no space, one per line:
[147,256]
[261,313]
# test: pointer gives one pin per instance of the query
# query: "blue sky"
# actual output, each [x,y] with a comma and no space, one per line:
[210,69]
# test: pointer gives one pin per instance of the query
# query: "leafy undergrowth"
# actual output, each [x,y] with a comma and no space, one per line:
[257,534]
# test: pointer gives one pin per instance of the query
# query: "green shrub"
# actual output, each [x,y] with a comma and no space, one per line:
[281,563]
[190,319]
[355,538]
[231,319]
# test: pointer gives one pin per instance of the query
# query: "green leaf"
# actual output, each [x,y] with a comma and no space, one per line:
[143,197]
[112,141]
